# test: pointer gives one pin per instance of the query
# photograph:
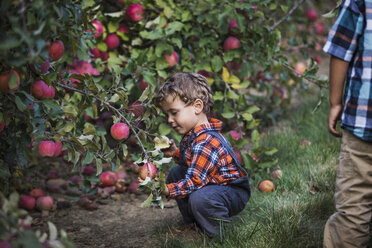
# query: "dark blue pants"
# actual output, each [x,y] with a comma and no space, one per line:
[211,205]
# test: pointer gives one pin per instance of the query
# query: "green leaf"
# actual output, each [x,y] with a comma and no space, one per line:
[173,27]
[247,116]
[168,12]
[153,35]
[13,80]
[164,129]
[271,152]
[218,96]
[53,234]
[10,42]
[216,63]
[284,8]
[113,26]
[28,239]
[89,128]
[232,95]
[252,109]
[272,6]
[124,148]
[148,201]
[228,115]
[102,46]
[98,166]
[20,105]
[88,158]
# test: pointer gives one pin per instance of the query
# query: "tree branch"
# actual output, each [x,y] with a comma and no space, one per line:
[302,76]
[276,24]
[108,105]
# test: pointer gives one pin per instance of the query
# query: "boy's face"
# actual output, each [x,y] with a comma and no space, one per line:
[182,118]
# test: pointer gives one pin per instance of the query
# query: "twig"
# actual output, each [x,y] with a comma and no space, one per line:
[302,76]
[108,105]
[276,24]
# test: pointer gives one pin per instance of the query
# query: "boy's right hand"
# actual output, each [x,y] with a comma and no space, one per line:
[171,150]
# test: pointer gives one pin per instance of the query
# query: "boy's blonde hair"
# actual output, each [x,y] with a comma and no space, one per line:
[188,86]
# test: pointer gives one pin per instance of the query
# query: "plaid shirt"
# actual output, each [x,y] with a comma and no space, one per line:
[207,160]
[350,39]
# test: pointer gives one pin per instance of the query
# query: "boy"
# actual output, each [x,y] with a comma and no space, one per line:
[209,184]
[349,43]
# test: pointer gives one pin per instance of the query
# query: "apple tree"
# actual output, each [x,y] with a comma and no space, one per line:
[72,69]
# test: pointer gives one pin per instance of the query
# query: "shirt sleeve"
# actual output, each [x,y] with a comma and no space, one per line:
[204,160]
[343,36]
[176,156]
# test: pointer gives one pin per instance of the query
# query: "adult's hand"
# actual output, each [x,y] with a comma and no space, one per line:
[333,117]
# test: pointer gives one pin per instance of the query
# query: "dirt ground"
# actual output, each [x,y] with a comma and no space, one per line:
[119,221]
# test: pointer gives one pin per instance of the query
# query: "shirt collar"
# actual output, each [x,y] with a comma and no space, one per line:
[212,125]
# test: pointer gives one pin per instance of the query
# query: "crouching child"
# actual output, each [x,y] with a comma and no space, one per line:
[209,184]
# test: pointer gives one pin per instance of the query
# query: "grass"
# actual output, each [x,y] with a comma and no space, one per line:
[293,215]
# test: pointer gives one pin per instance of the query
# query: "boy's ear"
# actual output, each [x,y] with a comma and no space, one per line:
[198,106]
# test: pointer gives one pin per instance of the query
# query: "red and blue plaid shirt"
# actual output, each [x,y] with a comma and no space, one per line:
[350,39]
[207,160]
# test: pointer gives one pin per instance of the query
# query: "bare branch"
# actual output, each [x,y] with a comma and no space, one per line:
[276,24]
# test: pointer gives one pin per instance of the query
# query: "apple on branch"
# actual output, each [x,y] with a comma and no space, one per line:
[9,81]
[172,59]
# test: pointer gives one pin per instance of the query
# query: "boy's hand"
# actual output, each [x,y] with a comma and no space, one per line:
[171,150]
[165,191]
[333,117]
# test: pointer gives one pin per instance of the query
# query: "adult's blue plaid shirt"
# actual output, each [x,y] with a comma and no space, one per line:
[350,39]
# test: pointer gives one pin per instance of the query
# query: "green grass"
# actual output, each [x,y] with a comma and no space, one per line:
[295,213]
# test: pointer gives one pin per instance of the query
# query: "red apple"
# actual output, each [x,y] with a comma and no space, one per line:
[99,28]
[56,50]
[277,174]
[120,186]
[233,25]
[137,109]
[50,92]
[266,186]
[38,89]
[235,134]
[47,148]
[88,170]
[9,81]
[143,85]
[172,59]
[206,74]
[300,68]
[44,203]
[105,56]
[108,178]
[133,187]
[45,67]
[148,170]
[2,125]
[121,175]
[135,11]
[5,244]
[112,41]
[231,43]
[311,14]
[317,59]
[239,156]
[37,192]
[119,131]
[319,27]
[123,28]
[58,150]
[27,202]
[95,52]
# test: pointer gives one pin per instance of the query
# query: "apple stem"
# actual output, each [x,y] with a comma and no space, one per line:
[276,24]
[110,107]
